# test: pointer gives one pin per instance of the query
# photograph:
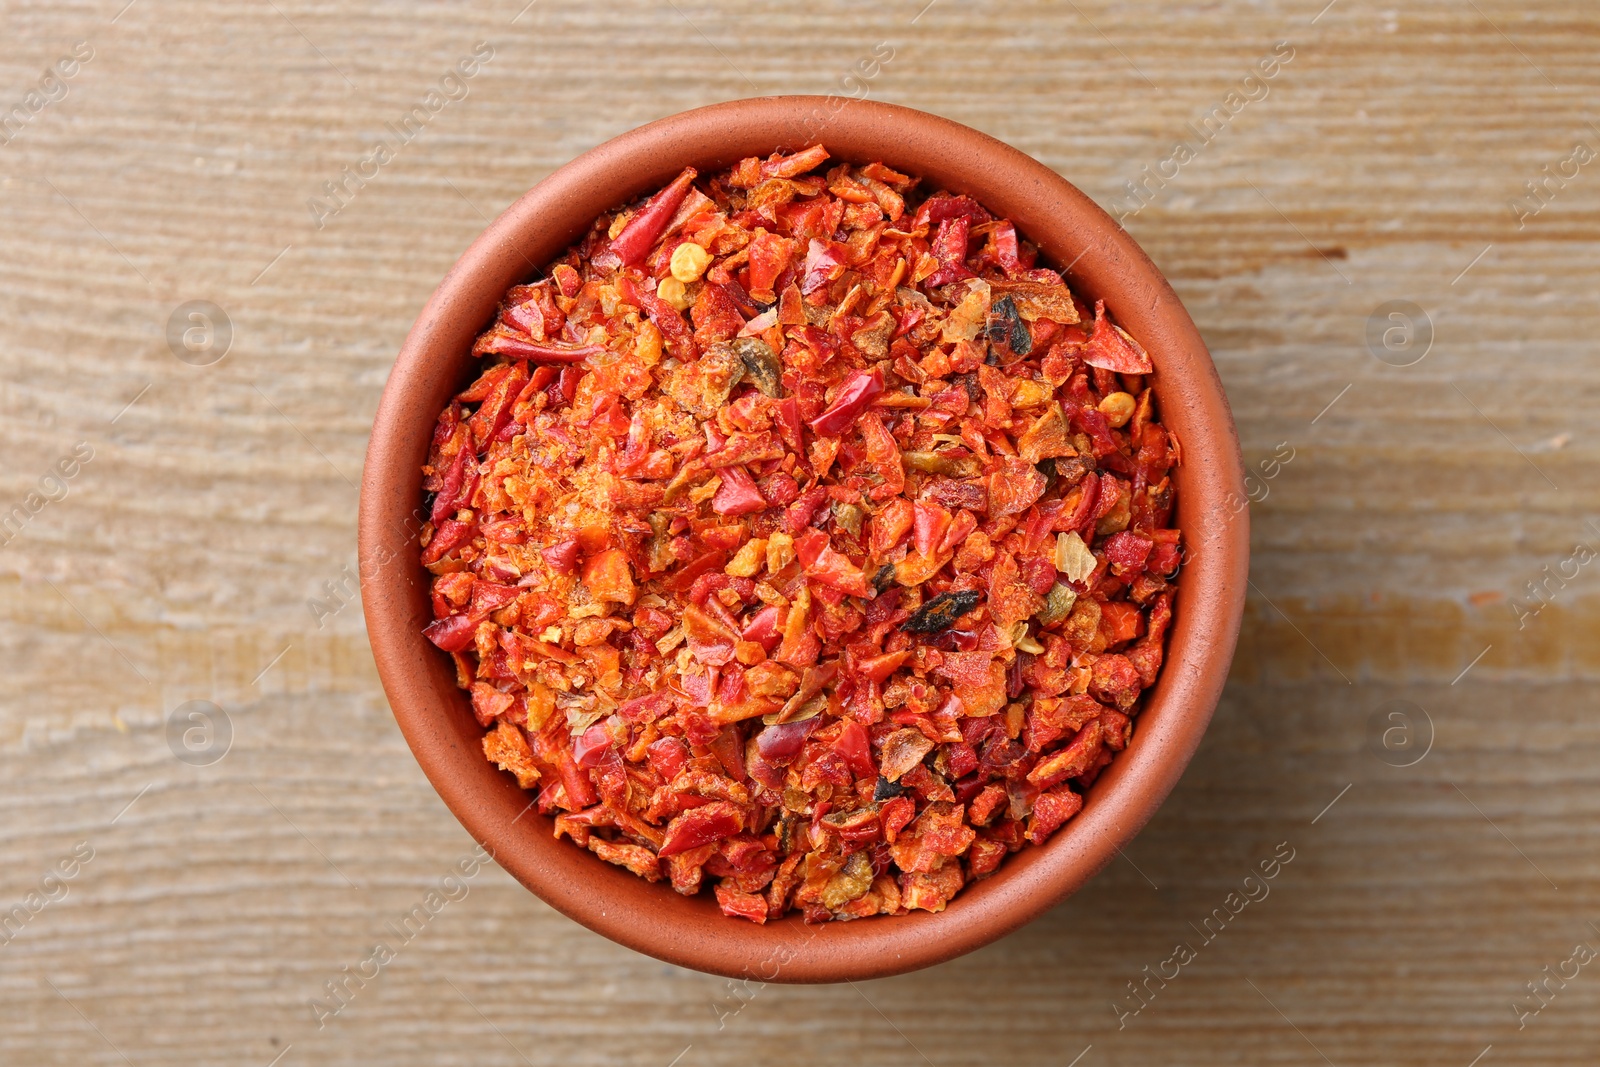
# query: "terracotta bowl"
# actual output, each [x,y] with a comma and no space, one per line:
[436,717]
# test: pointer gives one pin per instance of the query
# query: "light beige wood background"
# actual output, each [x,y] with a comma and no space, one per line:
[179,565]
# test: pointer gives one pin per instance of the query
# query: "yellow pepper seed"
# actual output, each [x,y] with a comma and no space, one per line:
[1117,408]
[675,293]
[689,261]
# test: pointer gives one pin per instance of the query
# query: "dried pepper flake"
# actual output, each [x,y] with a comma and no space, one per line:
[797,540]
[855,394]
[941,612]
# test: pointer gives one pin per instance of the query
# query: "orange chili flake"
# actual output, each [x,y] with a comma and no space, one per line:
[805,537]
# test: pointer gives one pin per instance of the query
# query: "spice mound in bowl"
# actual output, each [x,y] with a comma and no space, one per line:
[804,536]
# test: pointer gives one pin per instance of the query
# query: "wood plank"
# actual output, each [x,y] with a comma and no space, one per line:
[1380,165]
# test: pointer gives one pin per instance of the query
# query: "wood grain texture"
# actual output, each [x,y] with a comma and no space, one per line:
[1379,166]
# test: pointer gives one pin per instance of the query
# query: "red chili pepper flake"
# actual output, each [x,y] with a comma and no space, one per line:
[642,231]
[797,538]
[855,393]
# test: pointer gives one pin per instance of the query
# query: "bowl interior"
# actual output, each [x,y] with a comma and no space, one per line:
[1102,261]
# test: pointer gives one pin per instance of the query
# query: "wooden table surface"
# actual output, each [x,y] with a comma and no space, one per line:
[1387,158]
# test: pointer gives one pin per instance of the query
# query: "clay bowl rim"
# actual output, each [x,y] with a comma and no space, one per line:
[435,716]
